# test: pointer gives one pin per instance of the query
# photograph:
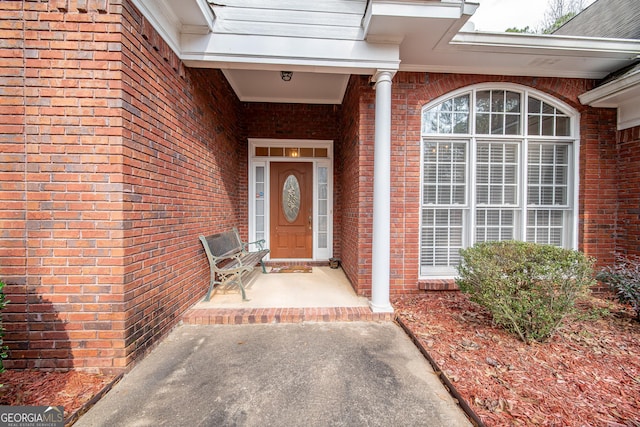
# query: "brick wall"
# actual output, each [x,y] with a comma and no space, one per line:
[291,121]
[65,239]
[13,148]
[598,192]
[629,191]
[127,156]
[184,174]
[350,184]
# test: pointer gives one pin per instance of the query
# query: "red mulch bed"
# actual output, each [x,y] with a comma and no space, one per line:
[37,388]
[587,374]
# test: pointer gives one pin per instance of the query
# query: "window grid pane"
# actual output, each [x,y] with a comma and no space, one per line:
[498,112]
[497,169]
[449,117]
[547,120]
[445,173]
[323,200]
[548,175]
[442,231]
[259,201]
[497,174]
[495,224]
[546,226]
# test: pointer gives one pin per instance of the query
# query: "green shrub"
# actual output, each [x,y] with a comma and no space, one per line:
[528,288]
[3,348]
[624,278]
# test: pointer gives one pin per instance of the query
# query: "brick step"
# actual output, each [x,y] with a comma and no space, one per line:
[237,316]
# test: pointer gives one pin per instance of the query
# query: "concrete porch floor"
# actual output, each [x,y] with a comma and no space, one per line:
[323,295]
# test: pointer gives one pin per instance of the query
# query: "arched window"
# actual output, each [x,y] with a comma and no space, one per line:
[498,163]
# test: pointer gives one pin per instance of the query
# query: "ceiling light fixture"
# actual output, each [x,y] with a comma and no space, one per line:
[286,75]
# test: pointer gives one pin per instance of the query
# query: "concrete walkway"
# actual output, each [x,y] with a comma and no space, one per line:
[307,374]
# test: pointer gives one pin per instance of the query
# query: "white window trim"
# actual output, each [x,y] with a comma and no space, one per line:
[573,179]
[319,254]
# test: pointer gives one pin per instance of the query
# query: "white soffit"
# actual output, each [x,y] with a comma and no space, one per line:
[268,86]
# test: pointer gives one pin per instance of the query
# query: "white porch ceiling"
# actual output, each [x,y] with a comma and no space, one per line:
[324,42]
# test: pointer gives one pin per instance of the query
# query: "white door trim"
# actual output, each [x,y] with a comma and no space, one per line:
[260,202]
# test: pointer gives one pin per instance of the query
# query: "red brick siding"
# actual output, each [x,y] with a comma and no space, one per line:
[13,148]
[350,182]
[66,83]
[127,156]
[184,174]
[598,193]
[629,191]
[291,121]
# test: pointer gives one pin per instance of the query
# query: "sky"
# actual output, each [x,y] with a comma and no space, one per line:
[498,15]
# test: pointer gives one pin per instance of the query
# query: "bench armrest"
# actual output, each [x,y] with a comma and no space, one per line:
[259,243]
[236,256]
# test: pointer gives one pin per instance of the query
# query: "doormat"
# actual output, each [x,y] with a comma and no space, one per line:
[291,269]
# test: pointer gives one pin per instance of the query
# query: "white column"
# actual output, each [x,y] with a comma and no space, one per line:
[381,240]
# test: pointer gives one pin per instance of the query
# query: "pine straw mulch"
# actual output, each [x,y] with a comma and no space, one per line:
[72,389]
[587,374]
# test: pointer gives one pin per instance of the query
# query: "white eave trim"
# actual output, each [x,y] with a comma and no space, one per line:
[622,94]
[604,96]
[262,52]
[168,25]
[504,42]
[164,21]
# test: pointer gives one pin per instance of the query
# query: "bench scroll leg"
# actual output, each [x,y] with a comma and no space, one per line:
[241,285]
[212,283]
[264,270]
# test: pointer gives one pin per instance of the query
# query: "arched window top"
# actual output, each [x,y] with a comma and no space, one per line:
[508,110]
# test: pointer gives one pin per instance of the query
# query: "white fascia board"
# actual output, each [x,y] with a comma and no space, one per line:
[609,94]
[169,26]
[470,7]
[163,20]
[266,50]
[270,99]
[568,45]
[413,9]
[502,71]
[629,114]
[539,65]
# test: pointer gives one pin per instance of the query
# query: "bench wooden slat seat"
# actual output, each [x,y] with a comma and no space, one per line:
[229,258]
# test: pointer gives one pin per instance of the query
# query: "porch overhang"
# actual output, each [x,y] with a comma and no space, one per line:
[324,43]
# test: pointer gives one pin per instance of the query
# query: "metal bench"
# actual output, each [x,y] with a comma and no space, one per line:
[230,258]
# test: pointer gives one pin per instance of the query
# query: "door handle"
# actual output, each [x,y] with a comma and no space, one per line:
[310,222]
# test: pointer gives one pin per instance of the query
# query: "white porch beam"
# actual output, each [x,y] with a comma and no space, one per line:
[381,240]
[275,52]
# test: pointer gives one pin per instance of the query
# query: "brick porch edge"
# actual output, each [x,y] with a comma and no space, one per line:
[239,316]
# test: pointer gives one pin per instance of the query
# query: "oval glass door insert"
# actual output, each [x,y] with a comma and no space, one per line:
[291,198]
